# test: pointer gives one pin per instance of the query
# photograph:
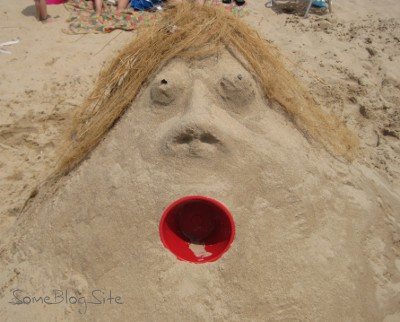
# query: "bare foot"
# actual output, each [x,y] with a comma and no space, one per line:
[47,19]
[98,13]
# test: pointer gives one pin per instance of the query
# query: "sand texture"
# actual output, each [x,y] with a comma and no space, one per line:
[317,235]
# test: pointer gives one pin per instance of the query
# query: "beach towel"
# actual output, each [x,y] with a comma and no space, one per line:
[83,19]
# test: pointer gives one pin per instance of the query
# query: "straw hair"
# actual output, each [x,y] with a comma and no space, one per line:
[189,31]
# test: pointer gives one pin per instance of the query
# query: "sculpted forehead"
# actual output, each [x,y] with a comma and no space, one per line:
[210,68]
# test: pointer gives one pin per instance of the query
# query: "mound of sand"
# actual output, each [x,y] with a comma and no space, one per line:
[317,237]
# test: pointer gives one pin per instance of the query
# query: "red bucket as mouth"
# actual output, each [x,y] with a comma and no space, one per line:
[197,229]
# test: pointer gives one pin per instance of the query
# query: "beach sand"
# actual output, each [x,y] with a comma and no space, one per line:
[318,238]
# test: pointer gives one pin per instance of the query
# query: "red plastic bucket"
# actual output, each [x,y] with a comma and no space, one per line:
[197,229]
[55,1]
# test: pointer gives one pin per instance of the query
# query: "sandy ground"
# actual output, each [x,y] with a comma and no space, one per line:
[332,253]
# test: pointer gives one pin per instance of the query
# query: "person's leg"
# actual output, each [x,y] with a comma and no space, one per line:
[122,5]
[37,6]
[98,4]
[41,10]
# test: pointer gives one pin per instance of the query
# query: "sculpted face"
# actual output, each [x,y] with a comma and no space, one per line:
[199,114]
[210,111]
[205,128]
[205,112]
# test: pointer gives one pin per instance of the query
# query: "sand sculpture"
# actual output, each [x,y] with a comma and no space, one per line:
[204,115]
[189,36]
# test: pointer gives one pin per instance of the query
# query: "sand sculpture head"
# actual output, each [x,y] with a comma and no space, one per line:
[188,33]
[210,111]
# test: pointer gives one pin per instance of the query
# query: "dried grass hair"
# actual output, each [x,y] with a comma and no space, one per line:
[189,31]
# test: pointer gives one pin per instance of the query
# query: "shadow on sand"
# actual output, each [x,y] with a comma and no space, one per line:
[29,11]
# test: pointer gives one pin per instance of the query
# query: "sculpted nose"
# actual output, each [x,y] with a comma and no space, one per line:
[198,108]
[196,132]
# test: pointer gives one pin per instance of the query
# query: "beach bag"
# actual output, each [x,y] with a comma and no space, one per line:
[144,4]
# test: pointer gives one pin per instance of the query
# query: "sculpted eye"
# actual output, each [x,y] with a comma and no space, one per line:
[163,93]
[236,90]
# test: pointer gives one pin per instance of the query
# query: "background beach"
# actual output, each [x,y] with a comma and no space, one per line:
[350,62]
